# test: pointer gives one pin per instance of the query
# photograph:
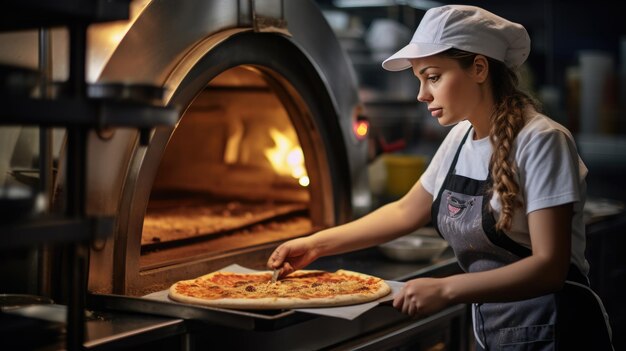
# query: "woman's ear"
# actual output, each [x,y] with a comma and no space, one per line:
[480,69]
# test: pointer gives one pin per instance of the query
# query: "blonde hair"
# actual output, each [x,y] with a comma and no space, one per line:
[506,122]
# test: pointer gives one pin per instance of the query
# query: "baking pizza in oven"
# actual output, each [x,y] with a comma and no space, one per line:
[303,288]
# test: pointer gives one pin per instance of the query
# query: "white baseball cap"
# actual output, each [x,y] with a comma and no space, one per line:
[467,28]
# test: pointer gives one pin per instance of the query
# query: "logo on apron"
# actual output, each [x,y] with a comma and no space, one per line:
[456,206]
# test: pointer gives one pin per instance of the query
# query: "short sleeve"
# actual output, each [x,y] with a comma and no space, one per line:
[429,177]
[550,170]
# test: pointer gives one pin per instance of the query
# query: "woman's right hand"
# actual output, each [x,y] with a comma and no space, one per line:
[293,255]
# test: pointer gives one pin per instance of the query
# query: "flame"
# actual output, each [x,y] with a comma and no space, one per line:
[360,129]
[287,157]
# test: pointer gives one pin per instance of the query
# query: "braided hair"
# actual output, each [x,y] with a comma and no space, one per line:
[506,122]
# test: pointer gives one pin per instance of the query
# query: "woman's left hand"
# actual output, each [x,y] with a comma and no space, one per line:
[421,297]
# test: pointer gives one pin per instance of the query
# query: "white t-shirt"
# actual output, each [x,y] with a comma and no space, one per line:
[550,173]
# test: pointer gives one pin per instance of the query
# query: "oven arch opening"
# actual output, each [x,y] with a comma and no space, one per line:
[294,81]
[233,174]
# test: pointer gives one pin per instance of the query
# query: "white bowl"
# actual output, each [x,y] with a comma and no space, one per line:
[414,247]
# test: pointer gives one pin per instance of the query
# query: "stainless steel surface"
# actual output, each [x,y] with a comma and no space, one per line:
[379,328]
[239,319]
[104,329]
[323,333]
[110,330]
[18,81]
[15,301]
[371,261]
[46,311]
[414,247]
[128,92]
[598,209]
[275,275]
[418,334]
[18,202]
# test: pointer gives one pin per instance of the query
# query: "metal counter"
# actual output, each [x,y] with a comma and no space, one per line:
[43,328]
[106,329]
[371,261]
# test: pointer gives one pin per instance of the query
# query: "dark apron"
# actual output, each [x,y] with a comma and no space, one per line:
[570,319]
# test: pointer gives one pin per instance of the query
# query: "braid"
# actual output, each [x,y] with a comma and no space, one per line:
[506,122]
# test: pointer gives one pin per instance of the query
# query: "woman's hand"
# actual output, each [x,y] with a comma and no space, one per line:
[421,297]
[293,255]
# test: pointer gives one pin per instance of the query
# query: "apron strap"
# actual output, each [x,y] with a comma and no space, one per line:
[499,238]
[575,275]
[451,171]
[452,168]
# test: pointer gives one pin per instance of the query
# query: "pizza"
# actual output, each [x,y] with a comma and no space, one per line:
[303,288]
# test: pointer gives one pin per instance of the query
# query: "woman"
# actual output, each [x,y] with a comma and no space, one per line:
[506,189]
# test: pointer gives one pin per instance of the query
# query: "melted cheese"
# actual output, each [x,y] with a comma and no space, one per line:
[307,286]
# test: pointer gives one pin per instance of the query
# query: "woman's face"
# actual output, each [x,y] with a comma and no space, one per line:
[451,92]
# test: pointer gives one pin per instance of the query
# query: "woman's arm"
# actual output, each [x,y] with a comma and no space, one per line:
[542,272]
[388,222]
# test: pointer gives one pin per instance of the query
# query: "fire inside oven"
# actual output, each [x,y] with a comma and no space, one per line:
[233,175]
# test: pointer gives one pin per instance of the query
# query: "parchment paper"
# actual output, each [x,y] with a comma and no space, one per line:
[345,312]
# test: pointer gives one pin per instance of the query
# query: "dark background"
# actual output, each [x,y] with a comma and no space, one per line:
[559,29]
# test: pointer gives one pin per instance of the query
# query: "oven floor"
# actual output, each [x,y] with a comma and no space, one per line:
[168,221]
[256,235]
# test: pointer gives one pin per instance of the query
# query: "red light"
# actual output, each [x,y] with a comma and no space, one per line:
[360,129]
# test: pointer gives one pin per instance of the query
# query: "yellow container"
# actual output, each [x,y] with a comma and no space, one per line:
[402,172]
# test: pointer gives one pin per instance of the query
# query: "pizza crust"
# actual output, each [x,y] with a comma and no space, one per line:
[382,289]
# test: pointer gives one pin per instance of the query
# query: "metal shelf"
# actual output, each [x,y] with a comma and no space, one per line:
[78,111]
[79,108]
[53,229]
[84,112]
[17,81]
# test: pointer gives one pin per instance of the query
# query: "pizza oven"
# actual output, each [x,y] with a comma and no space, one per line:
[264,149]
